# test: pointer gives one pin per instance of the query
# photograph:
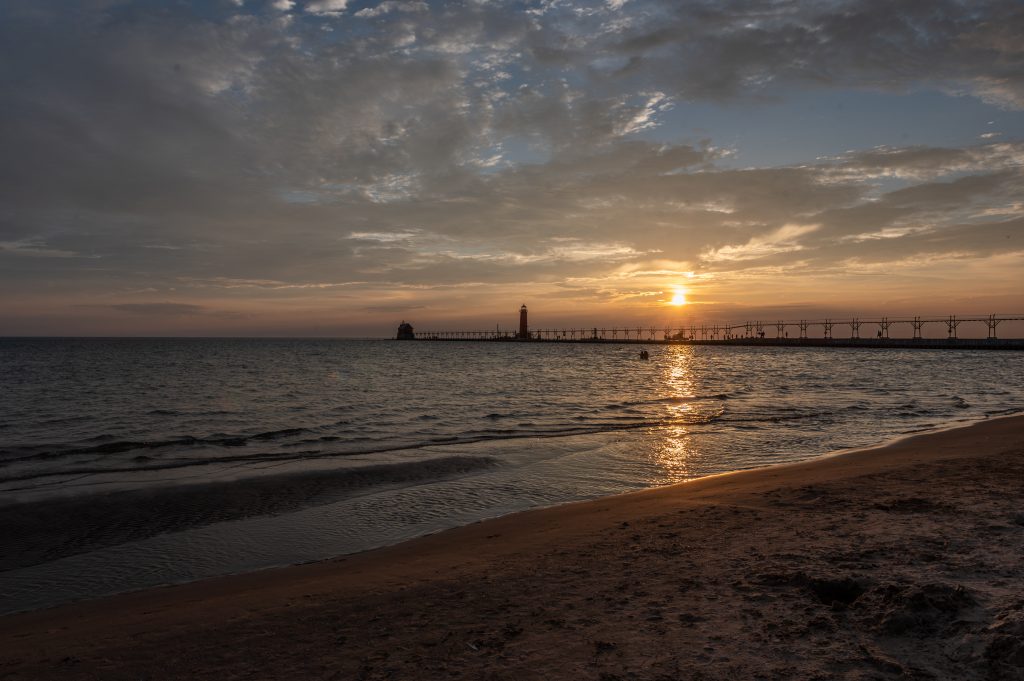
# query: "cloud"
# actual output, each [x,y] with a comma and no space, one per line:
[390,309]
[161,309]
[929,162]
[392,6]
[258,153]
[35,248]
[733,49]
[785,239]
[326,6]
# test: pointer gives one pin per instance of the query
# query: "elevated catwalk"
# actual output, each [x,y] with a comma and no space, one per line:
[797,333]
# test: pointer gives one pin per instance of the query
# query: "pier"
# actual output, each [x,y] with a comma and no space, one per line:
[876,332]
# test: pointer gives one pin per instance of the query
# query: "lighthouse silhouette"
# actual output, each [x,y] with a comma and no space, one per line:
[524,331]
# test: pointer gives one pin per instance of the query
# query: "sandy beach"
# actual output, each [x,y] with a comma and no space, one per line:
[898,562]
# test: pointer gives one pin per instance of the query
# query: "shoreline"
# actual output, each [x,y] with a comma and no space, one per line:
[108,627]
[76,507]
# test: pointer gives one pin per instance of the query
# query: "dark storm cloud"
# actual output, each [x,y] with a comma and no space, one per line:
[149,149]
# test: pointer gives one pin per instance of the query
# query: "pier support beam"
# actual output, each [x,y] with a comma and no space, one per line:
[992,323]
[917,324]
[951,325]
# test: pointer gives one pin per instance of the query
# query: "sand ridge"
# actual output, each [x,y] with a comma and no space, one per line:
[898,562]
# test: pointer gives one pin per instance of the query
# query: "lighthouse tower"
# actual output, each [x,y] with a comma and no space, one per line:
[524,330]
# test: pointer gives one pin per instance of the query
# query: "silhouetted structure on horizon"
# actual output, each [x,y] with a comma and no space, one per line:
[788,333]
[405,331]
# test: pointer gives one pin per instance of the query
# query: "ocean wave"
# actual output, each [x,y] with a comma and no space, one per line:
[277,434]
[776,418]
[678,399]
[142,463]
[121,446]
[1004,412]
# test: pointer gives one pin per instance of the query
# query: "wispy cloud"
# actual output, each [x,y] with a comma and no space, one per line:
[159,309]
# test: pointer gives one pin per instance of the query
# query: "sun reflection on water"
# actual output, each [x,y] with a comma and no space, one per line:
[675,446]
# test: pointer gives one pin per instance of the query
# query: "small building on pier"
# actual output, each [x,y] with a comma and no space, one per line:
[405,331]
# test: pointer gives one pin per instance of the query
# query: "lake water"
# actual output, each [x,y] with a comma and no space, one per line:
[126,463]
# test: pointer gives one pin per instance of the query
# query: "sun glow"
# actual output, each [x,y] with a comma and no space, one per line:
[678,297]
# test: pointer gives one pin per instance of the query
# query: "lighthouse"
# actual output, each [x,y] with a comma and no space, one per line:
[524,330]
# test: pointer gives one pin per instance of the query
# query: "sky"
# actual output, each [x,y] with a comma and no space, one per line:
[333,167]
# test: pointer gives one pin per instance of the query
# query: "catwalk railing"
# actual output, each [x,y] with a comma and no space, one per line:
[802,329]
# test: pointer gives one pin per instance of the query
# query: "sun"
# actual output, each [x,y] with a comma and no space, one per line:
[679,297]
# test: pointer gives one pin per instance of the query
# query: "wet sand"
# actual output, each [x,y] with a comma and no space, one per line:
[50,529]
[899,562]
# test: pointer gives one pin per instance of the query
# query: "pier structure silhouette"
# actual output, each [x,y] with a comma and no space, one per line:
[880,332]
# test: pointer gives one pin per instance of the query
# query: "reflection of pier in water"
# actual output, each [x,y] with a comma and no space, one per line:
[796,333]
